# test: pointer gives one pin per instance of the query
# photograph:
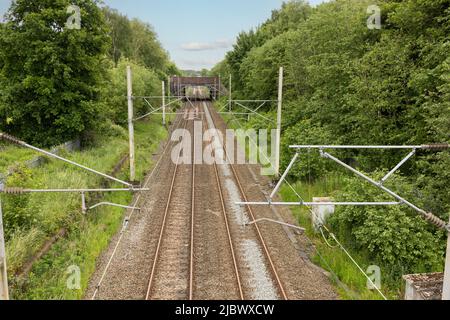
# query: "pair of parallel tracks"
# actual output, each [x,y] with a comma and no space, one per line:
[166,216]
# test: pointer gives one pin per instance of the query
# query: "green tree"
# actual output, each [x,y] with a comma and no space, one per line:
[145,83]
[245,42]
[259,70]
[51,74]
[120,33]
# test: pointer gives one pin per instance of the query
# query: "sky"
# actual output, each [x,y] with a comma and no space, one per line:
[196,33]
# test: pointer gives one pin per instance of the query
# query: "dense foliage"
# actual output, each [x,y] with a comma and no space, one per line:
[348,84]
[50,74]
[55,82]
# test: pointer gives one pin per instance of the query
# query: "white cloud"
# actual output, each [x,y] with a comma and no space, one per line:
[197,64]
[206,46]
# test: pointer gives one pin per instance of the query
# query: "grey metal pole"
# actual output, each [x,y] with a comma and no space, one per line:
[130,124]
[428,216]
[446,289]
[164,103]
[4,292]
[280,107]
[284,176]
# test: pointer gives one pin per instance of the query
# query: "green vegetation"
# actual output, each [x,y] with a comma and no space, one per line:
[348,84]
[32,219]
[59,84]
[56,81]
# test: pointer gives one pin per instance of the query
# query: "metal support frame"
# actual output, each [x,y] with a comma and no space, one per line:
[82,192]
[401,201]
[113,205]
[249,112]
[276,222]
[18,191]
[429,217]
[155,111]
[4,291]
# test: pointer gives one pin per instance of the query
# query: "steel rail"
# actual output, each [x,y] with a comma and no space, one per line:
[163,226]
[122,233]
[258,230]
[227,226]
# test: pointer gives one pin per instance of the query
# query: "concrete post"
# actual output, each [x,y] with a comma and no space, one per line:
[164,102]
[220,86]
[4,293]
[169,88]
[321,213]
[130,124]
[279,119]
[229,93]
[446,289]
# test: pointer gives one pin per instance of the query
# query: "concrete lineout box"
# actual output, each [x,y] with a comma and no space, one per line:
[321,213]
[424,286]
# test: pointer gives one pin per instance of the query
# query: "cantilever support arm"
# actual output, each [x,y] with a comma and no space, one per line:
[276,222]
[113,205]
[427,215]
[409,156]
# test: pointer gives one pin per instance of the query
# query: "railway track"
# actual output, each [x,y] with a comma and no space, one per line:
[176,264]
[249,209]
[165,282]
[174,269]
[190,243]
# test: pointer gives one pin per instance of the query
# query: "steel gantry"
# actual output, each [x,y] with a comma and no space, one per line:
[84,208]
[325,153]
[178,85]
[249,108]
[380,185]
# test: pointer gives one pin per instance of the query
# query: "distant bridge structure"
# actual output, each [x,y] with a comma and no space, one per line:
[178,85]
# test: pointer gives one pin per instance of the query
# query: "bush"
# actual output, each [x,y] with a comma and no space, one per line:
[18,214]
[395,237]
[50,74]
[145,83]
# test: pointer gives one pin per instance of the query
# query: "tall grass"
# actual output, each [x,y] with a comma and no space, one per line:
[350,282]
[87,236]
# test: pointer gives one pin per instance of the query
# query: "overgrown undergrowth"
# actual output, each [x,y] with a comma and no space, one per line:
[30,220]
